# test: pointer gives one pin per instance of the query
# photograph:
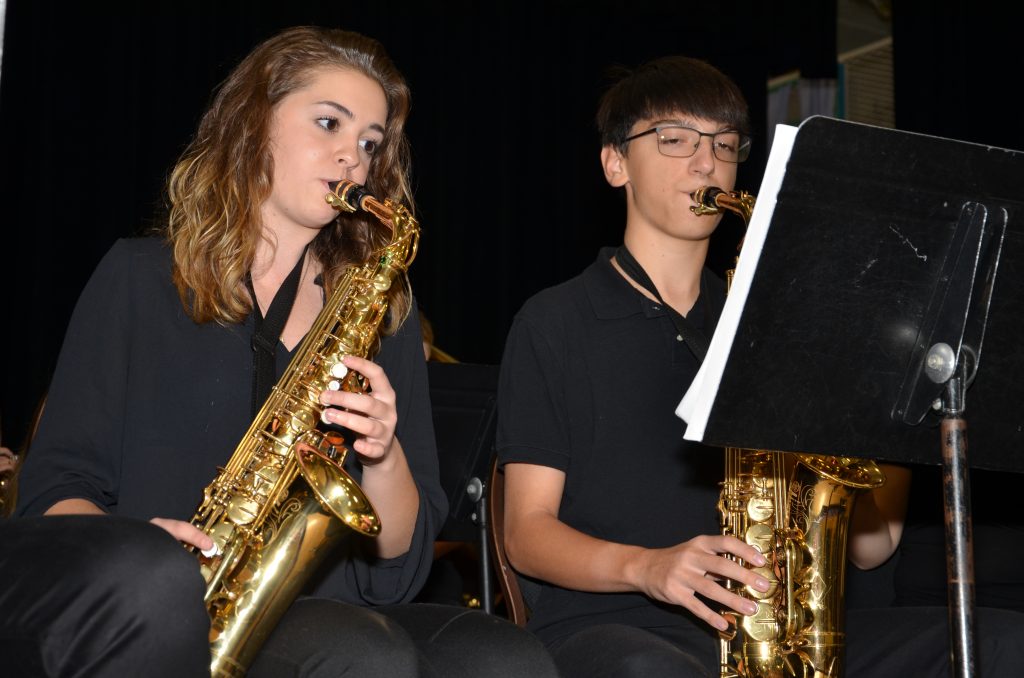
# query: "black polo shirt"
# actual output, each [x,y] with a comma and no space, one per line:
[590,379]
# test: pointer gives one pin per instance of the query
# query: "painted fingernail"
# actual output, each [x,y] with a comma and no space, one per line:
[760,560]
[721,624]
[750,608]
[761,584]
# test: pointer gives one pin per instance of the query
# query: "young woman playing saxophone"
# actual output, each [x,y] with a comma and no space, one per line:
[154,388]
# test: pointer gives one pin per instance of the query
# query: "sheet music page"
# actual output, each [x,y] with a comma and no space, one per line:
[695,406]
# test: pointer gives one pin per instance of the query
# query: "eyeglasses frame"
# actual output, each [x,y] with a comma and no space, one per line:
[745,141]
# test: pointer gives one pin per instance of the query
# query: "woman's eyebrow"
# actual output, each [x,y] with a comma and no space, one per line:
[349,114]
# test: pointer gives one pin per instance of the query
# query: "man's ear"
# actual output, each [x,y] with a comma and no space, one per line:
[614,165]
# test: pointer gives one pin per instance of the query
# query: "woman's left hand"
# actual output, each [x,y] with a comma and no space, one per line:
[372,415]
[386,478]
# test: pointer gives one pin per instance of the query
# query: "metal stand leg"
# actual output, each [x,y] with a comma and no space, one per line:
[477,491]
[959,534]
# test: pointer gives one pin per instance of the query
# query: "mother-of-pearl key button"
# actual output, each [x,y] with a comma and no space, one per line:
[338,371]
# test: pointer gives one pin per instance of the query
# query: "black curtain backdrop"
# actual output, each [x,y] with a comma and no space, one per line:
[98,99]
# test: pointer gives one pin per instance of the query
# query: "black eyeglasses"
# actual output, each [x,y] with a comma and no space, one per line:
[678,141]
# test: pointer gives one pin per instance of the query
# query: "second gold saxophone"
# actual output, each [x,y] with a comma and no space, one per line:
[795,509]
[284,499]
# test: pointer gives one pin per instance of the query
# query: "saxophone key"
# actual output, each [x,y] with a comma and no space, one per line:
[760,509]
[302,421]
[762,626]
[761,537]
[768,574]
[242,510]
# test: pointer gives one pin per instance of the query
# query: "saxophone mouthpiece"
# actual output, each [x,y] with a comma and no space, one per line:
[347,196]
[705,199]
[713,200]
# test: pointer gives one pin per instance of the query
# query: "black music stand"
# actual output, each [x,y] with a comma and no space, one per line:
[463,400]
[856,325]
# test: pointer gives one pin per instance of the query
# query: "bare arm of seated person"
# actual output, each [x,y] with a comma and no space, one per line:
[876,525]
[540,545]
[179,529]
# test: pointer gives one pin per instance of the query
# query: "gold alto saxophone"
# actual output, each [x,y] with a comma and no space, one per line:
[795,509]
[284,500]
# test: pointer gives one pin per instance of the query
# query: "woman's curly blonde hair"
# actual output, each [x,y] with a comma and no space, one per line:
[217,187]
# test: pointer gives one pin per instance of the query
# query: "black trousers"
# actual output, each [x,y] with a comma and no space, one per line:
[102,596]
[99,596]
[892,642]
[323,638]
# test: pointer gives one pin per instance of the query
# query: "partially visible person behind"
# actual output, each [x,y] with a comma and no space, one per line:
[430,349]
[8,478]
[8,461]
[155,387]
[609,514]
[11,462]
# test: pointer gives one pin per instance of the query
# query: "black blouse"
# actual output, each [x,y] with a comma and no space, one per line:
[145,404]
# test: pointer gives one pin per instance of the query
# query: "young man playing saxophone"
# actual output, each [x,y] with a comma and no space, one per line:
[607,509]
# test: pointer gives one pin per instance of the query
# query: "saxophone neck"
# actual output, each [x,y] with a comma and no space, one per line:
[347,196]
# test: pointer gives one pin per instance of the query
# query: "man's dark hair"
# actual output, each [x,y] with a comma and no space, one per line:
[672,84]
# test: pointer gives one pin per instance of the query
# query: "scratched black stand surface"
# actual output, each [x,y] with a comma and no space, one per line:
[858,242]
[889,257]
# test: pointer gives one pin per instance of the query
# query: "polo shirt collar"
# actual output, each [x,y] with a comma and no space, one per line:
[611,296]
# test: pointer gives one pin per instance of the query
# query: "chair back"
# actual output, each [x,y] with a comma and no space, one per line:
[515,604]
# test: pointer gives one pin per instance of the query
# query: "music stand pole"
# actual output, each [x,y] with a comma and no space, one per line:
[959,537]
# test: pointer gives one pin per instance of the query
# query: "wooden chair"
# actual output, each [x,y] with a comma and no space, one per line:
[515,604]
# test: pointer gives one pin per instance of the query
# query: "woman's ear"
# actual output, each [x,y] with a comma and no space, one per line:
[614,165]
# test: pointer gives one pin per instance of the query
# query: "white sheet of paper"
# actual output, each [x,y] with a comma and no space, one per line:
[696,404]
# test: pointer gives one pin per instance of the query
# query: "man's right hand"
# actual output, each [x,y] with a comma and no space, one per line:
[676,574]
[540,545]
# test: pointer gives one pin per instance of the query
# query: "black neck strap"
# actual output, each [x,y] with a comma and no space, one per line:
[695,340]
[268,331]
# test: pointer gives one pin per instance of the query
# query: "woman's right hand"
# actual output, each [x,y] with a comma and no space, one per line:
[179,529]
[185,532]
[676,574]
